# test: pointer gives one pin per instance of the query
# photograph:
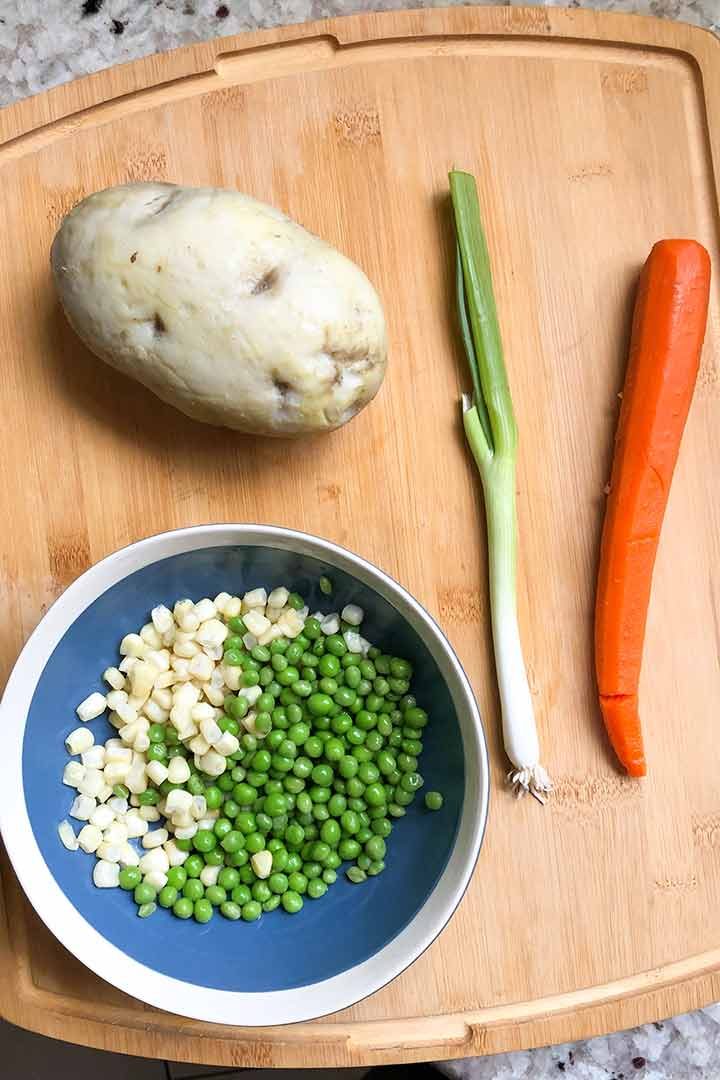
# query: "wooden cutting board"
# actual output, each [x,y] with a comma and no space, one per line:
[591,137]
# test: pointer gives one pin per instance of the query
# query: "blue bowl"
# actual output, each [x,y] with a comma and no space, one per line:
[282,968]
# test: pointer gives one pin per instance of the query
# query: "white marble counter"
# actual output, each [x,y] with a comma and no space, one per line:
[46,42]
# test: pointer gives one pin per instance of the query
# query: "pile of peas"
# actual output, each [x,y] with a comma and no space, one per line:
[333,764]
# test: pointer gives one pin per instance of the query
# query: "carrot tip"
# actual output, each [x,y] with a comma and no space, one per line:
[620,713]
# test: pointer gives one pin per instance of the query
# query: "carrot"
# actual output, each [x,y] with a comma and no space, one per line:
[667,335]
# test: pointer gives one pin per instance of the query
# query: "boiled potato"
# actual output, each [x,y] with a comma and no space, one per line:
[222,306]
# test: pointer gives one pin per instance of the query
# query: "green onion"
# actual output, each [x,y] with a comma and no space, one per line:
[491,433]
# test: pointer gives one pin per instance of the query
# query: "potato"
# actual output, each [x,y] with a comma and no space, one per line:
[222,306]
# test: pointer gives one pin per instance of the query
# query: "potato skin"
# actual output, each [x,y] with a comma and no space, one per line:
[222,306]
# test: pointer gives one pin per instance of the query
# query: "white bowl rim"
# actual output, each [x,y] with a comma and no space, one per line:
[207,1004]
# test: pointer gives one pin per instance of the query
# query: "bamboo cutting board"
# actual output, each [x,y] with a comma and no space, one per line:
[591,137]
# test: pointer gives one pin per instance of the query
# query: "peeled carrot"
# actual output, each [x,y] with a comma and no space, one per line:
[667,336]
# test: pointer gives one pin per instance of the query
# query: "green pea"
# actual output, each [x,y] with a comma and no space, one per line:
[375,847]
[261,891]
[381,827]
[302,688]
[316,888]
[330,833]
[204,840]
[176,876]
[289,676]
[364,687]
[244,794]
[254,842]
[295,835]
[329,876]
[322,775]
[337,805]
[355,736]
[193,865]
[282,764]
[350,823]
[272,903]
[411,782]
[240,895]
[406,763]
[297,882]
[214,858]
[400,669]
[156,752]
[334,749]
[352,677]
[348,848]
[292,901]
[225,782]
[233,658]
[320,704]
[167,896]
[335,645]
[183,845]
[402,797]
[329,666]
[156,733]
[295,601]
[215,895]
[278,883]
[279,662]
[384,726]
[329,687]
[302,767]
[375,795]
[341,723]
[312,629]
[367,670]
[348,767]
[230,910]
[237,706]
[275,804]
[303,803]
[231,809]
[412,747]
[144,893]
[130,878]
[345,697]
[375,868]
[228,878]
[355,787]
[415,718]
[381,686]
[368,772]
[183,908]
[232,842]
[193,889]
[237,859]
[313,746]
[222,827]
[294,863]
[355,874]
[434,800]
[251,911]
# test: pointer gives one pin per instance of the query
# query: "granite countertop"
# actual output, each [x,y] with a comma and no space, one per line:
[46,42]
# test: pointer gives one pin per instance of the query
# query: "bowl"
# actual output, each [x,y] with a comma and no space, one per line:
[282,968]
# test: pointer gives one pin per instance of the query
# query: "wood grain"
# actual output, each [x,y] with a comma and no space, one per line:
[591,137]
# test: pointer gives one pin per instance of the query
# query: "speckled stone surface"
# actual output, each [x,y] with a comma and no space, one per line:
[46,42]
